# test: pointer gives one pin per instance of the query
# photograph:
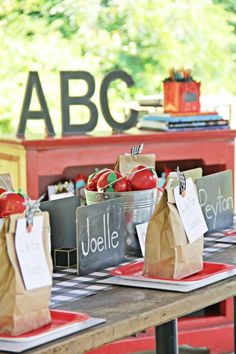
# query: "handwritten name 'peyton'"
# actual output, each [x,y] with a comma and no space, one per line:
[212,211]
[102,242]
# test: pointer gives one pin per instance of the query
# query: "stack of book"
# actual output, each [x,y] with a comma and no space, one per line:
[183,121]
[151,100]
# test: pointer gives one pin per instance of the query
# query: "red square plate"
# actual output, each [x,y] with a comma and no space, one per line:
[61,321]
[134,271]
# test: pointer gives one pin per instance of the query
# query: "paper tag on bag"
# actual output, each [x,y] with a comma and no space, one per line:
[30,254]
[190,212]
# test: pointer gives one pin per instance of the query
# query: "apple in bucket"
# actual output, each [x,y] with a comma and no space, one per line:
[93,178]
[112,181]
[2,190]
[11,203]
[142,177]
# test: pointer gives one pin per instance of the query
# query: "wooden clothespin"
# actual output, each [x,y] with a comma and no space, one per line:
[136,150]
[182,182]
[32,206]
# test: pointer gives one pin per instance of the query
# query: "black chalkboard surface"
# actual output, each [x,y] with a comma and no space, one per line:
[62,220]
[215,193]
[100,235]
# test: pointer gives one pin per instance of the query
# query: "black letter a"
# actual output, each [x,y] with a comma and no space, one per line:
[33,81]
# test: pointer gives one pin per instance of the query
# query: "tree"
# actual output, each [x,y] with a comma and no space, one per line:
[230,6]
[143,37]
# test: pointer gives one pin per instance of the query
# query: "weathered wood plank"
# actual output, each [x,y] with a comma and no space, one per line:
[130,310]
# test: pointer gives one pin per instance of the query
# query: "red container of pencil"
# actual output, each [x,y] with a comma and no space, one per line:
[180,97]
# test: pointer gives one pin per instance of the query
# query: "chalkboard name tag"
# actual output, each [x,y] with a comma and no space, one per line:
[100,236]
[62,221]
[215,193]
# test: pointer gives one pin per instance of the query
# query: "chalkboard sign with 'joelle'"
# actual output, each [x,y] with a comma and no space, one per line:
[100,236]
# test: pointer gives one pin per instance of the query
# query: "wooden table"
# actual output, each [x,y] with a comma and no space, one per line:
[130,310]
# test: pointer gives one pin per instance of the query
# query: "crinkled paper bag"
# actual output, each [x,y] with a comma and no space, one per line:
[124,163]
[5,181]
[21,310]
[168,253]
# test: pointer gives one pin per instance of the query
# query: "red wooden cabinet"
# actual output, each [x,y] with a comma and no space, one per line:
[42,162]
[213,331]
[48,160]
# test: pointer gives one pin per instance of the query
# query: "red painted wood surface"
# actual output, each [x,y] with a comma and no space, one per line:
[218,339]
[212,332]
[212,149]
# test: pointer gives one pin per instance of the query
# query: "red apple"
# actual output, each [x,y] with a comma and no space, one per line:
[142,177]
[112,181]
[93,178]
[121,185]
[11,203]
[2,190]
[129,188]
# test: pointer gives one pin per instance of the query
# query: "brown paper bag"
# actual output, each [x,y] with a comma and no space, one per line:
[168,253]
[5,181]
[21,310]
[124,163]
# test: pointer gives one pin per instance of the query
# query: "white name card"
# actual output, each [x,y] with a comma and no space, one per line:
[31,255]
[190,212]
[142,231]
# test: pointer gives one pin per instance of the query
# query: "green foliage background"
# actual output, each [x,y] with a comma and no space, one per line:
[143,37]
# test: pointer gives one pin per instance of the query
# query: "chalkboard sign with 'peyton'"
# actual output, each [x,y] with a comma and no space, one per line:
[215,193]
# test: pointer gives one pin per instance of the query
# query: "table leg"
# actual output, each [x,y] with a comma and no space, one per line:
[167,338]
[234,324]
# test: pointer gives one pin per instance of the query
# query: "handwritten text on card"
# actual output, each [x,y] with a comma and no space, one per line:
[190,212]
[31,255]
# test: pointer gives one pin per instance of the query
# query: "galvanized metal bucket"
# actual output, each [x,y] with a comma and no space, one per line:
[138,208]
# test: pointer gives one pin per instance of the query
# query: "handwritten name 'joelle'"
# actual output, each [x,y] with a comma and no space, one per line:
[100,242]
[100,235]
